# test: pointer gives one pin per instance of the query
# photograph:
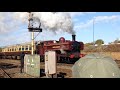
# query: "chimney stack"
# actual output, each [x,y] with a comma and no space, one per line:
[73,37]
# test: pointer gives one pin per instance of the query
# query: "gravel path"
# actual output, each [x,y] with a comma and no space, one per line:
[12,67]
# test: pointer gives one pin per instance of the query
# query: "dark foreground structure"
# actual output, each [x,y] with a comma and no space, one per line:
[96,65]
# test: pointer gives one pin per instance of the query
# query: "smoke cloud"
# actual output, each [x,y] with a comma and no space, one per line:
[59,21]
[56,21]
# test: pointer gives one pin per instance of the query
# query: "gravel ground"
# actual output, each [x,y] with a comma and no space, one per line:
[12,67]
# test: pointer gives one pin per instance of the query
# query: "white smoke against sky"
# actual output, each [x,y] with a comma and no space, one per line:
[60,21]
[11,22]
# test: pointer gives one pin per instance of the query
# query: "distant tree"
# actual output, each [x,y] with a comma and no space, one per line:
[110,43]
[89,44]
[117,41]
[99,42]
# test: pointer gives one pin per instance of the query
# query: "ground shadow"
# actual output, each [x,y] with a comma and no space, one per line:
[7,66]
[42,72]
[59,75]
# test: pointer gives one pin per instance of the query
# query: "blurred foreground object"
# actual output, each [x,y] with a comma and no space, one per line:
[95,66]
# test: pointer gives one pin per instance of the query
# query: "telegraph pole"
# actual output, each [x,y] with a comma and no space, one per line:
[93,33]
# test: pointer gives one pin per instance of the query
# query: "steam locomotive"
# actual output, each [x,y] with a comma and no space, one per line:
[68,51]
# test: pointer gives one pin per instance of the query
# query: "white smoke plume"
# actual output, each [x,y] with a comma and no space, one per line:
[56,21]
[59,21]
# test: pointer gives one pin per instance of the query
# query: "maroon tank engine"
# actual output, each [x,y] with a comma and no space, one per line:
[67,50]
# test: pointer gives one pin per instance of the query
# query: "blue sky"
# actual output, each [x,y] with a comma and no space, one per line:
[106,27]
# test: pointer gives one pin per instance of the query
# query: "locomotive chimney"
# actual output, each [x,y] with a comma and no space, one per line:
[73,37]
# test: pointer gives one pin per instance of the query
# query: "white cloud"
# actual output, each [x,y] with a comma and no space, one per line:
[98,19]
[73,14]
[11,21]
[18,16]
[11,39]
[107,18]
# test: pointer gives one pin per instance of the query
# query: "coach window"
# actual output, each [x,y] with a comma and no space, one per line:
[22,49]
[26,48]
[19,49]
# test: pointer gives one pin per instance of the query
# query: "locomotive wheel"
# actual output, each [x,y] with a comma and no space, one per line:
[67,60]
[62,60]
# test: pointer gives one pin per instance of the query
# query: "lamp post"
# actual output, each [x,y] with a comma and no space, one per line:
[33,29]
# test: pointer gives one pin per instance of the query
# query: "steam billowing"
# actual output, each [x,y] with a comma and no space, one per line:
[59,21]
[56,21]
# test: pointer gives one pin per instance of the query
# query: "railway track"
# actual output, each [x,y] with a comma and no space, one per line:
[64,66]
[60,65]
[4,74]
[9,66]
